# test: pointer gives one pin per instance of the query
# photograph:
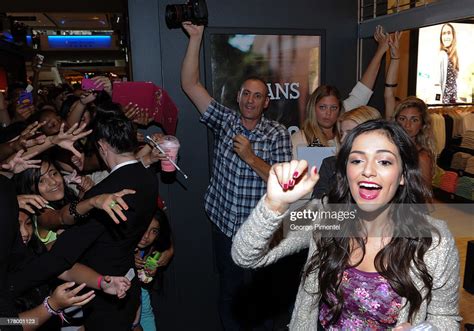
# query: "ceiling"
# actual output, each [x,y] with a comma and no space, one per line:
[68,21]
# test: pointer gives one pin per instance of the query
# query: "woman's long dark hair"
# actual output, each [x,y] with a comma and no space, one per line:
[411,237]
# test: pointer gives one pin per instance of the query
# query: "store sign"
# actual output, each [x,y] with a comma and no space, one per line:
[79,42]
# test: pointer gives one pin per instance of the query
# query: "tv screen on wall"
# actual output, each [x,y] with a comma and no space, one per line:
[445,70]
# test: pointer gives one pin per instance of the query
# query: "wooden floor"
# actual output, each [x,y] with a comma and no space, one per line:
[460,220]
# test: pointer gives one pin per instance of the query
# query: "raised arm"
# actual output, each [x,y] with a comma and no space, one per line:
[391,80]
[287,182]
[65,140]
[112,204]
[370,74]
[81,273]
[78,108]
[190,69]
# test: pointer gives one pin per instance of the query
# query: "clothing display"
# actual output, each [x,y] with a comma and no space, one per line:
[438,174]
[465,187]
[439,132]
[470,166]
[468,140]
[449,181]
[454,126]
[459,161]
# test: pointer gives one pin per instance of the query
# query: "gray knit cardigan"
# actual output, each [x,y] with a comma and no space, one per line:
[251,249]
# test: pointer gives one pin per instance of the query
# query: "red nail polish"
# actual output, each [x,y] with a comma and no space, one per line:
[315,170]
[295,174]
[285,186]
[291,183]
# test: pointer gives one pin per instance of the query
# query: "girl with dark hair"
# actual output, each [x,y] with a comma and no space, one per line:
[63,206]
[157,238]
[389,265]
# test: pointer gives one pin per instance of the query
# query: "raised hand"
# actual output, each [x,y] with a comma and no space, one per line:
[19,163]
[105,82]
[27,201]
[131,111]
[113,204]
[115,286]
[142,118]
[88,97]
[394,43]
[27,137]
[381,38]
[65,296]
[289,182]
[193,30]
[67,139]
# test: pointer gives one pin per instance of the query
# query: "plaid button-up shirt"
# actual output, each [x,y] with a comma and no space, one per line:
[235,188]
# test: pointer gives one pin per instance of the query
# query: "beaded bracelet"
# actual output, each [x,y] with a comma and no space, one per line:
[74,213]
[52,312]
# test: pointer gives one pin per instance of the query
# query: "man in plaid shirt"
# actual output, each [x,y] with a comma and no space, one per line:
[246,145]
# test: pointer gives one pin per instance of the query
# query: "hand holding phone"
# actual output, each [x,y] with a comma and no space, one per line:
[89,84]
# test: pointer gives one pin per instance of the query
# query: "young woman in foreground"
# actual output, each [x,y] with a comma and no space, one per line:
[391,266]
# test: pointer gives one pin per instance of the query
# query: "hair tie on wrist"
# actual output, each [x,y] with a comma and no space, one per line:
[99,280]
[391,85]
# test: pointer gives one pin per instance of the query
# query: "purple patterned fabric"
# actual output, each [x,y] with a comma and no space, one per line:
[370,303]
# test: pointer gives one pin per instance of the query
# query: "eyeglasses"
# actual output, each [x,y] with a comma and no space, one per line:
[326,107]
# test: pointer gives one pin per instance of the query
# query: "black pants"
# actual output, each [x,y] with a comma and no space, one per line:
[251,299]
[107,312]
[232,279]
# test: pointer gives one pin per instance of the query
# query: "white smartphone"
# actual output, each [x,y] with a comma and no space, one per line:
[130,274]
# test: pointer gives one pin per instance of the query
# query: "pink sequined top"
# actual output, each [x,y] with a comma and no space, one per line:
[370,303]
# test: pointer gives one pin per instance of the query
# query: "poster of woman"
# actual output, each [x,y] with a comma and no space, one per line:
[445,65]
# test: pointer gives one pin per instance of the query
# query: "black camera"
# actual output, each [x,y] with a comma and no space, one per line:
[194,11]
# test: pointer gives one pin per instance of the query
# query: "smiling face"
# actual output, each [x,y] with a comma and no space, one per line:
[411,121]
[253,99]
[327,111]
[26,227]
[150,235]
[50,184]
[447,35]
[374,170]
